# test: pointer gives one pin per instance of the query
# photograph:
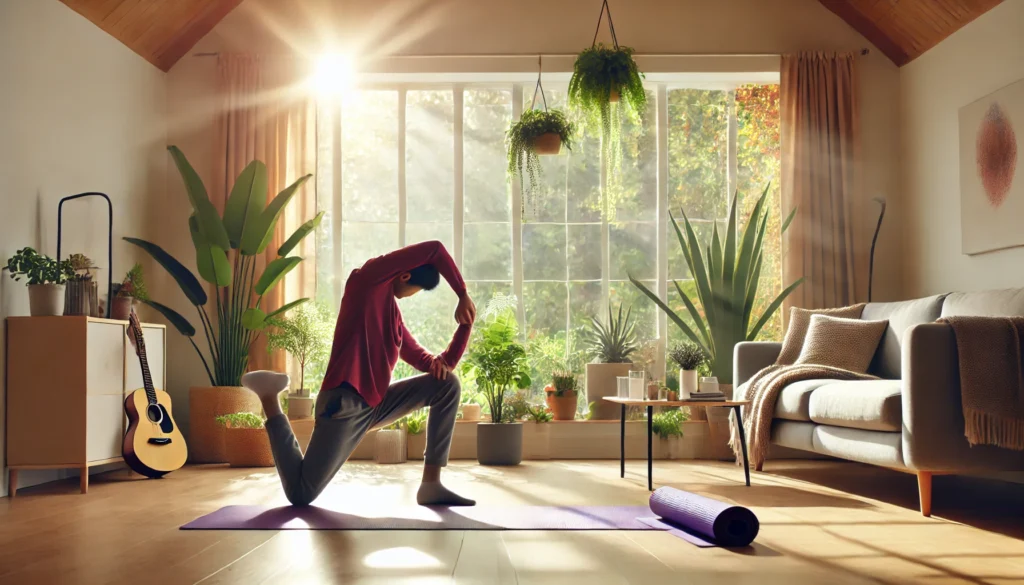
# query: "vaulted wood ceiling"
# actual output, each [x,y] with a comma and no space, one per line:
[163,31]
[904,29]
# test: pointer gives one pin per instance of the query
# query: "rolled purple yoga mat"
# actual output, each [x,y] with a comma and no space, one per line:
[723,524]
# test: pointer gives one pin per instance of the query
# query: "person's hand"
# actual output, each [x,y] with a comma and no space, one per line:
[439,369]
[465,313]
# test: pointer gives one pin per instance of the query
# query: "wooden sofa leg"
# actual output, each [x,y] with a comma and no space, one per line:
[924,489]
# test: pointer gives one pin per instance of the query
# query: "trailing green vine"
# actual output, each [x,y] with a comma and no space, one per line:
[521,138]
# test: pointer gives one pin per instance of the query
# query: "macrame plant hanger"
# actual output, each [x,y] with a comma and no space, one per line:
[611,26]
[539,87]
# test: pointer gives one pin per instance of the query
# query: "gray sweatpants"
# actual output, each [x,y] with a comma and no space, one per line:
[343,417]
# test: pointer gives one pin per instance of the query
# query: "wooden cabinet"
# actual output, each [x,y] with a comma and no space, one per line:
[67,378]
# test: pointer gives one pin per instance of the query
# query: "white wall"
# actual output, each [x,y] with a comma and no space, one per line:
[372,29]
[980,58]
[79,111]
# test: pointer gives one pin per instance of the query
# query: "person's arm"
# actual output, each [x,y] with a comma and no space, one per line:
[384,268]
[457,347]
[413,353]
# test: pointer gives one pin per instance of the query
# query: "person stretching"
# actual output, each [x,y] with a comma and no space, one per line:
[357,393]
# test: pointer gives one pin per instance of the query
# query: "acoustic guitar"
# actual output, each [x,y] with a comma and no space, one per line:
[153,445]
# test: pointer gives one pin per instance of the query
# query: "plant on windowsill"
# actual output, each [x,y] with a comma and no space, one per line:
[228,250]
[246,443]
[563,400]
[131,289]
[539,414]
[306,335]
[610,345]
[46,278]
[499,363]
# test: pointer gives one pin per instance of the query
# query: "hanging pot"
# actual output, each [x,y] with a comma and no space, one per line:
[46,300]
[613,96]
[547,143]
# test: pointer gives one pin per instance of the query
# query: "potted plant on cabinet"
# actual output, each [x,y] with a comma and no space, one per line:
[80,295]
[563,398]
[500,365]
[131,289]
[307,336]
[610,344]
[226,255]
[46,278]
[246,443]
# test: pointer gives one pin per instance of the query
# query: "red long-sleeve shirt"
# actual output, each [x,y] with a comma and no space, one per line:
[370,335]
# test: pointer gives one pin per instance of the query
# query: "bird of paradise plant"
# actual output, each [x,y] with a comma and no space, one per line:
[726,280]
[226,252]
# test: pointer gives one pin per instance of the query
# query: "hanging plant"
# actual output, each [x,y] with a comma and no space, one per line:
[605,79]
[537,132]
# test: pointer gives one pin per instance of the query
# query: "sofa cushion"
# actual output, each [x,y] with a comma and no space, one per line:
[990,303]
[901,316]
[871,405]
[800,321]
[794,402]
[848,344]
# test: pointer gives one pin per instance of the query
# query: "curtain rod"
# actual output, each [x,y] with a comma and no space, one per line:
[531,55]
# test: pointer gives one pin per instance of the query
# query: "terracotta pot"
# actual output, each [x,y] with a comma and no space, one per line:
[613,97]
[563,407]
[46,300]
[121,308]
[390,446]
[673,395]
[653,390]
[499,443]
[205,404]
[600,383]
[247,448]
[548,143]
[470,411]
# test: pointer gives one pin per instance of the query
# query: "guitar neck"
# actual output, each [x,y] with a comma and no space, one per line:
[140,349]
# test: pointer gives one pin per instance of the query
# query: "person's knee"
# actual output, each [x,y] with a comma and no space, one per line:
[453,386]
[299,496]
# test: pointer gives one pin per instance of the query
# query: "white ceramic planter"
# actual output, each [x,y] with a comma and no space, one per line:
[300,407]
[687,383]
[390,447]
[470,412]
[46,300]
[601,382]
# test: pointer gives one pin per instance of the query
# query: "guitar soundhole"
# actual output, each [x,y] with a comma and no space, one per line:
[154,413]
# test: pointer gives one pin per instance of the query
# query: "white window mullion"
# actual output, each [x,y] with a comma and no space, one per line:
[401,168]
[568,286]
[605,235]
[458,213]
[661,102]
[517,222]
[730,102]
[336,201]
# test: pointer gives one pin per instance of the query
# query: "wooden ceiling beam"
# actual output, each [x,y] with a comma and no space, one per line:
[868,29]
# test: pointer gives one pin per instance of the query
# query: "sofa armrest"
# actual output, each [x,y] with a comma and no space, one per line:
[750,357]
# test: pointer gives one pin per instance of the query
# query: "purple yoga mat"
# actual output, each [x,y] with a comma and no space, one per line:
[701,520]
[426,518]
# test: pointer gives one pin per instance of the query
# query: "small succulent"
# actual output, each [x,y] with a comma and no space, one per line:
[613,341]
[539,414]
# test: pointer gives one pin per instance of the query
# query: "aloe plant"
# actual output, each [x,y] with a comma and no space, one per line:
[226,251]
[614,341]
[726,276]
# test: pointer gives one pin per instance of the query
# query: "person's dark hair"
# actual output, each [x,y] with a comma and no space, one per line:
[425,277]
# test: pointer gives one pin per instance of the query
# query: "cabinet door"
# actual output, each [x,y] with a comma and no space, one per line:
[155,344]
[105,427]
[105,343]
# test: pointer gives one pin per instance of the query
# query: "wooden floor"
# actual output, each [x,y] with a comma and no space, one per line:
[821,522]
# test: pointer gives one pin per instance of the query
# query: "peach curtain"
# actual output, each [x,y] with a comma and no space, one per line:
[820,129]
[266,114]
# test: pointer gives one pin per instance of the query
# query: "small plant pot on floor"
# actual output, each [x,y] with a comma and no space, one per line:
[46,300]
[206,442]
[549,143]
[390,447]
[247,448]
[563,407]
[499,443]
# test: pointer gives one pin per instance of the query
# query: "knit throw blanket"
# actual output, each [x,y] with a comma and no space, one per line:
[763,392]
[991,379]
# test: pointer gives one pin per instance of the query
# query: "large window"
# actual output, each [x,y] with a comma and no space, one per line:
[406,163]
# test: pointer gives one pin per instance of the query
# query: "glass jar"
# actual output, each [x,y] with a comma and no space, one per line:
[623,386]
[637,379]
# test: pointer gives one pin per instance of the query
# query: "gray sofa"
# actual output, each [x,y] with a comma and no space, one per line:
[909,420]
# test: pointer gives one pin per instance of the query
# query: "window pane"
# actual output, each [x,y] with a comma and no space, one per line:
[584,303]
[487,114]
[583,180]
[369,146]
[482,292]
[362,241]
[429,155]
[634,189]
[487,252]
[645,312]
[424,232]
[430,317]
[675,334]
[544,252]
[677,267]
[634,251]
[546,305]
[585,252]
[698,138]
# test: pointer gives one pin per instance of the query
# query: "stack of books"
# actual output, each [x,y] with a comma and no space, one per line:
[707,396]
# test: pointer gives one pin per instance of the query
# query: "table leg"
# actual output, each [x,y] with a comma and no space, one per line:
[743,444]
[622,443]
[650,433]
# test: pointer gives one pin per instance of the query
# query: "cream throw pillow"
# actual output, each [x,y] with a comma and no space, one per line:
[841,343]
[799,321]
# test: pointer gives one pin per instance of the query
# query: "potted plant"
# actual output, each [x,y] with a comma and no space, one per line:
[131,289]
[563,399]
[500,365]
[390,445]
[246,443]
[415,425]
[536,132]
[80,295]
[668,426]
[227,248]
[688,357]
[307,336]
[726,289]
[46,278]
[610,345]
